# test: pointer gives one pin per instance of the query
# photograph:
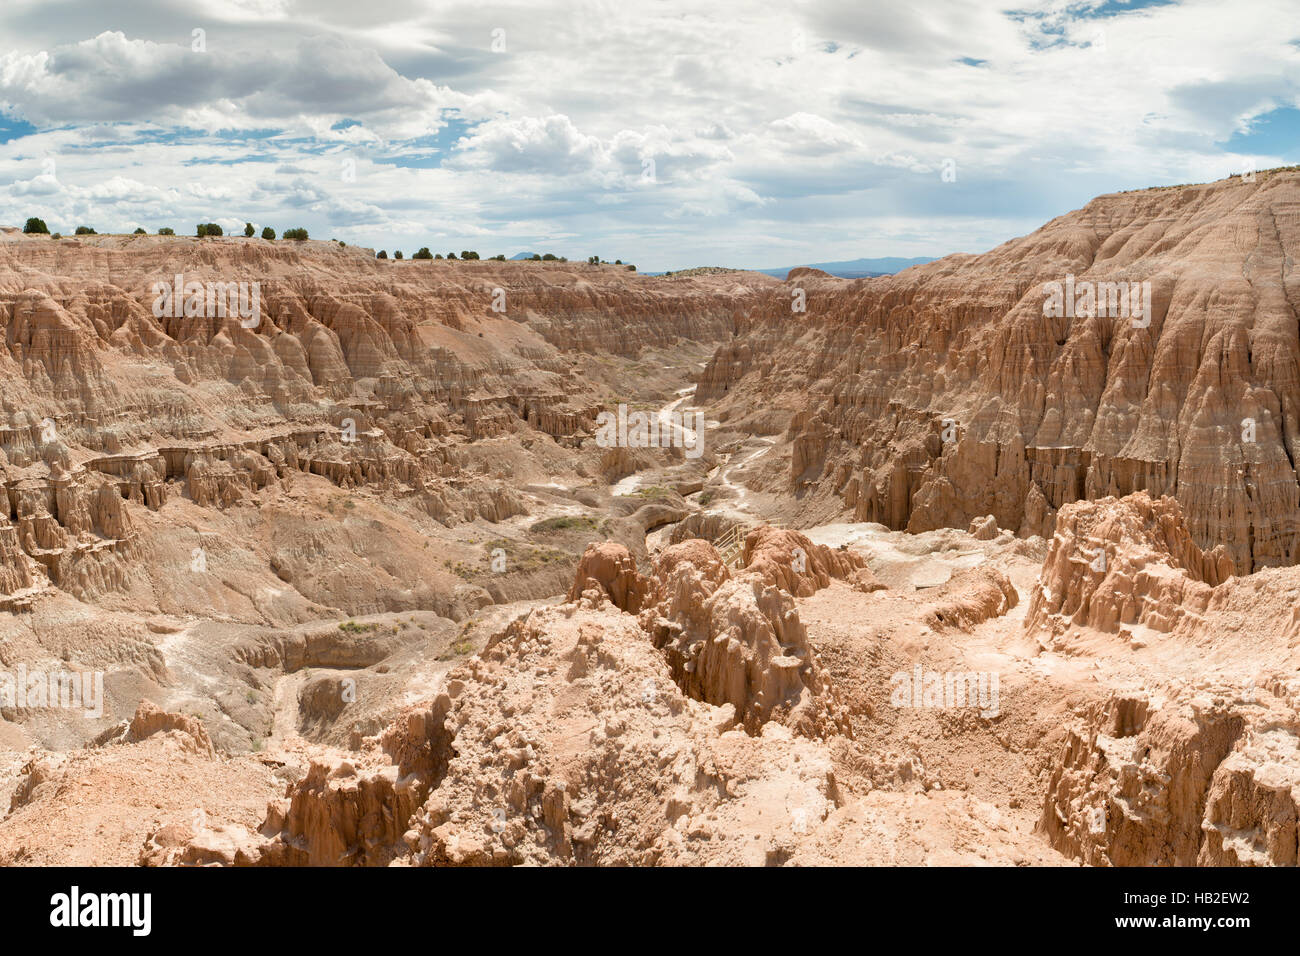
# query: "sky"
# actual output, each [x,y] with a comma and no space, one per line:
[664,134]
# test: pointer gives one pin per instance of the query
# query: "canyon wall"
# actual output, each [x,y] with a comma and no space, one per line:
[944,393]
[361,371]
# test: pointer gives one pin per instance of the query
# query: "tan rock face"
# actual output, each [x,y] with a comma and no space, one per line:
[1130,561]
[944,393]
[609,570]
[151,719]
[788,560]
[971,597]
[739,640]
[531,752]
[581,706]
[1204,778]
[1253,806]
[371,374]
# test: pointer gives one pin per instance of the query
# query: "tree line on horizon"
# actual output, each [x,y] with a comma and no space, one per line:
[37,226]
[424,253]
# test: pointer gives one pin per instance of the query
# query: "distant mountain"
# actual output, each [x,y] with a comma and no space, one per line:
[523,255]
[855,268]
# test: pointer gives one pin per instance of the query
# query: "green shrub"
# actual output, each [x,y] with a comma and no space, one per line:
[208,229]
[565,523]
[138,231]
[248,229]
[166,231]
[36,227]
[85,231]
[381,254]
[424,253]
[299,234]
[397,254]
[268,233]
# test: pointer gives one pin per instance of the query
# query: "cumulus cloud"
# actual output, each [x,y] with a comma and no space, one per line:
[548,144]
[668,134]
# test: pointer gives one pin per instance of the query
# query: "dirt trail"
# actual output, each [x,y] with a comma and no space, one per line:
[669,431]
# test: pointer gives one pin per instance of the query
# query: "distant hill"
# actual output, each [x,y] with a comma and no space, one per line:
[855,268]
[523,255]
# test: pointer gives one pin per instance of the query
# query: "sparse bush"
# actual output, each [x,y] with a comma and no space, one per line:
[451,255]
[381,254]
[85,231]
[268,233]
[550,257]
[299,234]
[499,258]
[536,257]
[653,491]
[138,231]
[397,254]
[437,255]
[166,231]
[36,226]
[423,253]
[248,229]
[565,523]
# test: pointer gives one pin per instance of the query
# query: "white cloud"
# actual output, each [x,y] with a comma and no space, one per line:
[549,144]
[816,130]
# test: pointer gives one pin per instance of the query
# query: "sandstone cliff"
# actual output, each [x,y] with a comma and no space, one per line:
[368,373]
[944,393]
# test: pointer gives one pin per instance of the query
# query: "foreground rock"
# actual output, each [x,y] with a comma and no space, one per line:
[1133,561]
[569,740]
[1203,777]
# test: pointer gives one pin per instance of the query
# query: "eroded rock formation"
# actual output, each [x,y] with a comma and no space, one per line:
[945,393]
[369,373]
[1130,561]
[1206,777]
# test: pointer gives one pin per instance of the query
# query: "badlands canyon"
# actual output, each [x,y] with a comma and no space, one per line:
[916,572]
